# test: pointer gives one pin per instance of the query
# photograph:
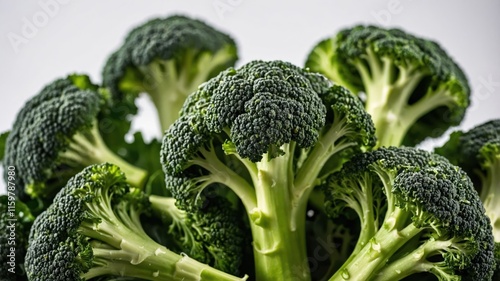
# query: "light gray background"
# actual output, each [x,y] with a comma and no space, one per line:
[46,39]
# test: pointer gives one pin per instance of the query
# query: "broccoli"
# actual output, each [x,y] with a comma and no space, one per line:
[264,133]
[15,223]
[56,135]
[409,85]
[418,213]
[93,229]
[167,59]
[477,151]
[198,233]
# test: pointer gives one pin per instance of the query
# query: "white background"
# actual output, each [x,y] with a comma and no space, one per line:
[43,40]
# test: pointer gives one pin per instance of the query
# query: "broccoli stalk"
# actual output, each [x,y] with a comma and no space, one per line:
[265,132]
[408,83]
[389,101]
[93,229]
[88,148]
[186,53]
[428,217]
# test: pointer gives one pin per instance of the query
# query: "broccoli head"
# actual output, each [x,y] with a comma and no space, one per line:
[93,229]
[410,85]
[477,151]
[418,213]
[167,59]
[264,132]
[56,135]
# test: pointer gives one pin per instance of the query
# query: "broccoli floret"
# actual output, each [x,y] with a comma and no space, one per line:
[265,132]
[56,135]
[15,223]
[477,151]
[167,59]
[410,85]
[93,229]
[198,232]
[418,213]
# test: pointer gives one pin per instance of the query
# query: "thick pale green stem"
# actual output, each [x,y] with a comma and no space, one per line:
[375,254]
[413,262]
[89,148]
[221,173]
[159,264]
[170,82]
[279,244]
[387,97]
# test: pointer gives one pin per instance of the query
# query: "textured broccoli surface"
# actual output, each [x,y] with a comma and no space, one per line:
[93,229]
[477,151]
[264,131]
[410,85]
[418,213]
[56,135]
[168,59]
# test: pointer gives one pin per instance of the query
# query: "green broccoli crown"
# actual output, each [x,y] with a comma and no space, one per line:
[44,127]
[167,58]
[15,222]
[412,86]
[262,106]
[434,196]
[474,149]
[59,233]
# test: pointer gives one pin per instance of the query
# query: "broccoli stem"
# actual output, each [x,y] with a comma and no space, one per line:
[169,84]
[121,247]
[490,194]
[417,261]
[160,264]
[278,237]
[388,97]
[88,148]
[377,251]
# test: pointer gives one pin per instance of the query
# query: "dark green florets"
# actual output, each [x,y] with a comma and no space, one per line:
[402,187]
[265,105]
[342,105]
[56,135]
[474,149]
[43,129]
[58,249]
